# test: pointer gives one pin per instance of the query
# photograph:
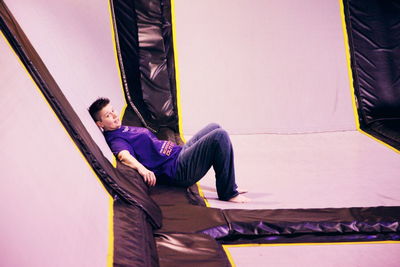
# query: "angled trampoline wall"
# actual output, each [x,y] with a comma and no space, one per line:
[374,41]
[101,166]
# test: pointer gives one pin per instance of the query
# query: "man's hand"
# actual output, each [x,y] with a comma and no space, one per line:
[148,176]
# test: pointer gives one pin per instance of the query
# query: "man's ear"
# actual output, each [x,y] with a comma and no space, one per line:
[100,124]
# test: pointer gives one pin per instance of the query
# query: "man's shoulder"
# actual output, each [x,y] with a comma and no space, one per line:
[112,134]
[124,132]
[116,131]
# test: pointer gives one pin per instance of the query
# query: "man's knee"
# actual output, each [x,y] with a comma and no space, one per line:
[221,135]
[213,125]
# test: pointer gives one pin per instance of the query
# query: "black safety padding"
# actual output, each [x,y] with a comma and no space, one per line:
[166,133]
[237,226]
[373,28]
[134,244]
[170,55]
[153,62]
[127,43]
[309,238]
[131,118]
[185,250]
[144,45]
[179,215]
[134,185]
[328,222]
[374,31]
[194,196]
[387,131]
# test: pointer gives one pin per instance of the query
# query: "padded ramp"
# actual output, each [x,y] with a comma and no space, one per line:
[374,40]
[145,52]
[239,226]
[180,241]
[177,249]
[182,215]
[135,245]
[312,225]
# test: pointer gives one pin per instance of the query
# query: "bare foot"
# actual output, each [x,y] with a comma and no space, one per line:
[242,190]
[239,199]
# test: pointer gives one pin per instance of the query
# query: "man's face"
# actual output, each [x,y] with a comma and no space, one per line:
[108,119]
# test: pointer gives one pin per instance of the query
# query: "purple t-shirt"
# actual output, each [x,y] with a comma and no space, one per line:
[156,155]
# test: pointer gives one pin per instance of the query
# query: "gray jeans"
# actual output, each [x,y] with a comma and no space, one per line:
[211,146]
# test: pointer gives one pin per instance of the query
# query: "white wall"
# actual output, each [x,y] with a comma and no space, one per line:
[54,211]
[74,39]
[263,66]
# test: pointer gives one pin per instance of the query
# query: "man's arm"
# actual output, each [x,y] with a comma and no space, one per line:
[126,158]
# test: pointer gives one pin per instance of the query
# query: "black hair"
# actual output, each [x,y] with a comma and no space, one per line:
[96,106]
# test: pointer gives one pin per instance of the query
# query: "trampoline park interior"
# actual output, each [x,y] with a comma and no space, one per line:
[308,90]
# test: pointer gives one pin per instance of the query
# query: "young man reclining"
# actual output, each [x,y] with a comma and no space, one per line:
[165,161]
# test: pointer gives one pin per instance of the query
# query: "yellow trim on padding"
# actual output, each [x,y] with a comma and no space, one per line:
[177,80]
[309,244]
[110,253]
[111,232]
[201,193]
[350,73]
[348,60]
[228,255]
[380,141]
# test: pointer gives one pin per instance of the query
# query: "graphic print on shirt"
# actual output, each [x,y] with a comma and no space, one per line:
[166,148]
